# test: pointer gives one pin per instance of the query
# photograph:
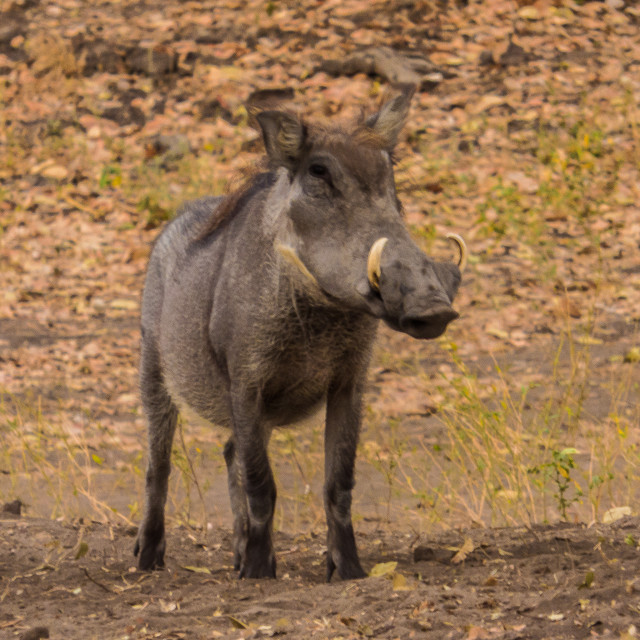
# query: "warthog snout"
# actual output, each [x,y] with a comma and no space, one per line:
[416,292]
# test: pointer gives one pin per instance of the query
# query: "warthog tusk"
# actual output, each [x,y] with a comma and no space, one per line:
[373,263]
[462,248]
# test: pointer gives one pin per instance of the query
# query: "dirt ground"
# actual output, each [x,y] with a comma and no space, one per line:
[113,113]
[557,581]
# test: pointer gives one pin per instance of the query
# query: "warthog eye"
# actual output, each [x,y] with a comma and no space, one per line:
[319,171]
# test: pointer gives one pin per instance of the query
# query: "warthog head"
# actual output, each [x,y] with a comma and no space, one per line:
[336,217]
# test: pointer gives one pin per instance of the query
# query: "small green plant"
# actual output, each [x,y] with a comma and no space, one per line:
[110,176]
[558,471]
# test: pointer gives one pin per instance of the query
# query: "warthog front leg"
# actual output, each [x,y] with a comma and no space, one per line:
[341,440]
[253,497]
[162,417]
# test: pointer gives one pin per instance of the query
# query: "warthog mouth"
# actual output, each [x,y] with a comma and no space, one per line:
[428,325]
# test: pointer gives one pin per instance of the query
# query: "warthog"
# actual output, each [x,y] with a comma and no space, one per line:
[261,307]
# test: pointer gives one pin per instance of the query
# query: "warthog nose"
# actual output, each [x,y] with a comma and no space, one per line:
[428,324]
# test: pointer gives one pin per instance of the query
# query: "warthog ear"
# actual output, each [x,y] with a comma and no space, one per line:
[283,135]
[388,122]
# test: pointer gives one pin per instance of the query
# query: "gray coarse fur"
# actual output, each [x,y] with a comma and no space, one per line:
[257,311]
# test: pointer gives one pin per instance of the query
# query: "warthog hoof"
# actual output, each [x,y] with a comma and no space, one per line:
[258,559]
[150,550]
[348,569]
[265,568]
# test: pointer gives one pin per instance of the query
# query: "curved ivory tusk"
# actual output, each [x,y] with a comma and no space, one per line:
[373,262]
[462,248]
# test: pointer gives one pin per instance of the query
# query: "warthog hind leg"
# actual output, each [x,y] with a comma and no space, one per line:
[162,417]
